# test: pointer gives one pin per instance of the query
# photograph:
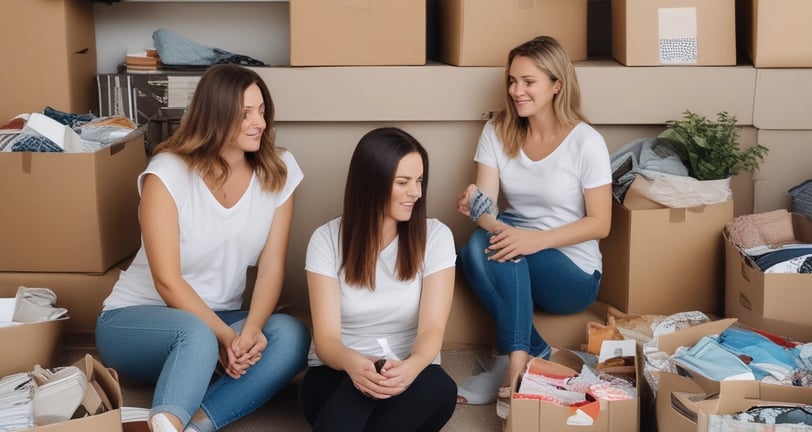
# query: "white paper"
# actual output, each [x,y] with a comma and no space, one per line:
[677,33]
[61,134]
[617,348]
[7,309]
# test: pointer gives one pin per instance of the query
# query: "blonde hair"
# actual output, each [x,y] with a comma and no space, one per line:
[550,57]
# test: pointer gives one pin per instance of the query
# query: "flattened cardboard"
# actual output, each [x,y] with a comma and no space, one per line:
[70,212]
[664,261]
[783,98]
[642,28]
[360,33]
[482,32]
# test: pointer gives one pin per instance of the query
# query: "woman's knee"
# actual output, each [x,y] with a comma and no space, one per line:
[287,331]
[472,254]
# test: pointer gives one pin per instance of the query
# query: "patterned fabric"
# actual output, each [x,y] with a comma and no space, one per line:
[26,142]
[480,204]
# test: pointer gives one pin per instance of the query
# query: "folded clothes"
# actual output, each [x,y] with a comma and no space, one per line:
[174,49]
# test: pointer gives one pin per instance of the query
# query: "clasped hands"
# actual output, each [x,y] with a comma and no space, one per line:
[244,351]
[394,378]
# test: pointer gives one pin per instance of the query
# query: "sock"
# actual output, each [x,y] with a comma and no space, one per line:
[200,423]
[481,389]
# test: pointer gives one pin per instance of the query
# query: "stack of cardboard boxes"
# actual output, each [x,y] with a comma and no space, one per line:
[69,223]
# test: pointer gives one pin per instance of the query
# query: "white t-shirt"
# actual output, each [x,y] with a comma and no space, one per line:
[548,193]
[389,312]
[217,244]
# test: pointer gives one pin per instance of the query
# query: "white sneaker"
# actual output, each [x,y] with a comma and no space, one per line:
[481,389]
[160,423]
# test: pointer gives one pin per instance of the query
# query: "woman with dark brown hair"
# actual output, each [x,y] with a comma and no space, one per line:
[380,280]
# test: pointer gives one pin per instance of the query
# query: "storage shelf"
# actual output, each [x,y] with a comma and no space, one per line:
[611,93]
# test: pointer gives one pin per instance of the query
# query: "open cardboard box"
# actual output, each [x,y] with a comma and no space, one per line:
[531,415]
[776,302]
[105,382]
[698,393]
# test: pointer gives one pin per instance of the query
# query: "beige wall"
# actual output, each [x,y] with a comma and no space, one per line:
[323,151]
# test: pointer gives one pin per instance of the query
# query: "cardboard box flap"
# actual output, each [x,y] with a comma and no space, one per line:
[668,343]
[739,396]
[103,380]
[690,404]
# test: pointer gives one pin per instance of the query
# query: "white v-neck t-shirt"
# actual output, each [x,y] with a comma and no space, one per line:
[217,244]
[390,312]
[549,193]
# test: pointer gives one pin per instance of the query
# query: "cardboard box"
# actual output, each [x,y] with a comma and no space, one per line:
[70,212]
[669,419]
[28,344]
[776,302]
[105,382]
[533,415]
[783,98]
[357,32]
[738,396]
[48,56]
[82,294]
[664,261]
[482,32]
[674,32]
[776,33]
[677,413]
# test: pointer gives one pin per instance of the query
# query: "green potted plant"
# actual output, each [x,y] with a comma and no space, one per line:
[711,149]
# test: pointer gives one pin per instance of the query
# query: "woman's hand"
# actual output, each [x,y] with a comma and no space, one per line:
[398,376]
[509,243]
[365,378]
[248,347]
[464,199]
[242,351]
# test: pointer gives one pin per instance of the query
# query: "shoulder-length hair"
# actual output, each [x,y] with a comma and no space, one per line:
[366,198]
[214,118]
[551,58]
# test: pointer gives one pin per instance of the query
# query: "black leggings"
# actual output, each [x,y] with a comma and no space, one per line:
[330,402]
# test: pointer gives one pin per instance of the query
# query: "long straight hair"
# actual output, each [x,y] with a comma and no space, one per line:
[551,58]
[366,197]
[214,118]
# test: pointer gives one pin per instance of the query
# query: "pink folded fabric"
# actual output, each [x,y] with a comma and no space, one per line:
[772,228]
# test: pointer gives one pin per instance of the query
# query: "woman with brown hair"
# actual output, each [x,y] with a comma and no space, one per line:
[216,198]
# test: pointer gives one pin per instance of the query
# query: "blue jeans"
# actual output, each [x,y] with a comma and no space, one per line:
[511,292]
[177,352]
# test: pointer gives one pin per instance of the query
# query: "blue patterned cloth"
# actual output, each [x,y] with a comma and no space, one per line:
[25,142]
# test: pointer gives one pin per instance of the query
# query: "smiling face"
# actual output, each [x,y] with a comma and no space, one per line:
[253,120]
[407,188]
[531,89]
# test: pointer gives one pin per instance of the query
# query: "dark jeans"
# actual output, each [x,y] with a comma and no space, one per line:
[330,402]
